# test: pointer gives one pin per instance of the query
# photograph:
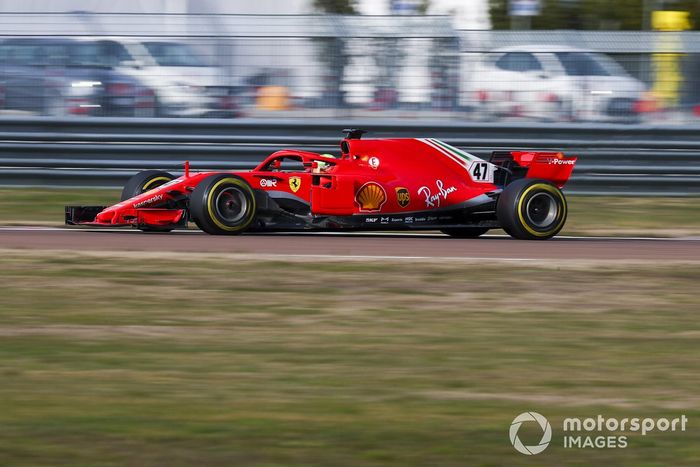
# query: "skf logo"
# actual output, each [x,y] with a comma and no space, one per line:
[295,183]
[403,197]
[370,197]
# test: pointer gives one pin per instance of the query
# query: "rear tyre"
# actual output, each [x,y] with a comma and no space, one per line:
[465,232]
[141,183]
[531,209]
[223,204]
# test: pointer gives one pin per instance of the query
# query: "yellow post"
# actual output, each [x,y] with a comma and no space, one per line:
[668,78]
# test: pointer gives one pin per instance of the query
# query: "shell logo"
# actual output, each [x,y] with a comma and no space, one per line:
[370,197]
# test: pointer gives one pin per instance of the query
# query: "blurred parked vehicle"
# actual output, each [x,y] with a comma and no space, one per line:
[268,89]
[186,84]
[61,76]
[552,83]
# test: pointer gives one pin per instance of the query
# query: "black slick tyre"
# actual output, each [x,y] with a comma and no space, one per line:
[223,204]
[144,181]
[531,209]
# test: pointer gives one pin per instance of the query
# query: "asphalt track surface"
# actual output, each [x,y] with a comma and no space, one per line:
[353,245]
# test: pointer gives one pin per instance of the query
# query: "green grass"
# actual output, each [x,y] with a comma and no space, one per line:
[587,214]
[45,205]
[199,361]
[636,216]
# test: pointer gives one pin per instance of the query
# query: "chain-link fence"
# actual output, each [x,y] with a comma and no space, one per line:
[314,66]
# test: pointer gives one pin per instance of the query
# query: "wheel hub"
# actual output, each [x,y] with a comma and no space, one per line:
[542,210]
[231,205]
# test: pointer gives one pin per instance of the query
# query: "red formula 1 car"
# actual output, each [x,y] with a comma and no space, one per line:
[375,184]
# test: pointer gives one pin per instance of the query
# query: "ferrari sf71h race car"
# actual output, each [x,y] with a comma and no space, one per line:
[375,184]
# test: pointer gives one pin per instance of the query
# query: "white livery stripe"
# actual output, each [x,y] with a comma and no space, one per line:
[463,157]
[434,145]
[454,158]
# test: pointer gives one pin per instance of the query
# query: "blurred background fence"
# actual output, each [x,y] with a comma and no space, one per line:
[321,66]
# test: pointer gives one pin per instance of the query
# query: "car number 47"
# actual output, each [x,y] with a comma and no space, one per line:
[481,171]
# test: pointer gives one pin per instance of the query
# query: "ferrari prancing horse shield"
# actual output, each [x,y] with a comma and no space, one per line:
[295,183]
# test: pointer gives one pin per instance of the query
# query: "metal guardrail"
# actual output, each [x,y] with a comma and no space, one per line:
[613,159]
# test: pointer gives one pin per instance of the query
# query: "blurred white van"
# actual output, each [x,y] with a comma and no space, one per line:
[550,83]
[186,83]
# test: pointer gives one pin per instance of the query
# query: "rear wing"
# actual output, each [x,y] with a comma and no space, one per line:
[551,166]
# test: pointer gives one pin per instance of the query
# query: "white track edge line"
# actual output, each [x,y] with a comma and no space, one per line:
[330,234]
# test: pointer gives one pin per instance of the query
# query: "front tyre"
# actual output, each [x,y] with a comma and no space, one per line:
[144,181]
[465,232]
[223,204]
[531,209]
